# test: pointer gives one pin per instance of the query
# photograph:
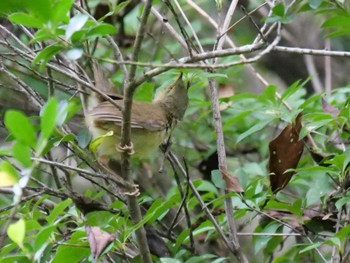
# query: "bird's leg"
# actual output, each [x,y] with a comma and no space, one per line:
[129,149]
[127,188]
[165,148]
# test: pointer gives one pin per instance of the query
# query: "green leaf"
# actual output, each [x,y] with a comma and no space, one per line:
[291,90]
[73,253]
[217,179]
[310,247]
[97,141]
[20,127]
[144,92]
[342,201]
[16,232]
[101,30]
[43,237]
[61,11]
[58,210]
[279,10]
[343,233]
[84,138]
[269,94]
[257,127]
[75,24]
[206,186]
[22,154]
[261,241]
[8,174]
[119,7]
[25,20]
[48,117]
[73,107]
[47,54]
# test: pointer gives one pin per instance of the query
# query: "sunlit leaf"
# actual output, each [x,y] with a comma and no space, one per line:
[75,24]
[16,232]
[20,127]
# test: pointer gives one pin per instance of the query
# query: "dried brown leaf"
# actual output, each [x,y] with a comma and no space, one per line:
[98,240]
[285,152]
[232,181]
[329,108]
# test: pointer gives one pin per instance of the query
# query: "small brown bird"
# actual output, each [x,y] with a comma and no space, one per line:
[151,122]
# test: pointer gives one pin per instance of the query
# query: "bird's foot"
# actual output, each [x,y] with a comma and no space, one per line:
[133,192]
[129,149]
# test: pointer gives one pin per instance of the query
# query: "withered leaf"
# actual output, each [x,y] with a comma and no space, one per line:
[329,108]
[285,152]
[232,182]
[98,240]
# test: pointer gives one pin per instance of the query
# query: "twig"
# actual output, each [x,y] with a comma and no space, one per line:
[337,227]
[172,158]
[129,89]
[117,53]
[328,69]
[32,95]
[220,143]
[311,69]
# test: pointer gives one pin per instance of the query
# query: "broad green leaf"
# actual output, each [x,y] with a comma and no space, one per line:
[206,186]
[58,210]
[101,30]
[342,201]
[73,253]
[257,127]
[25,20]
[279,10]
[218,179]
[144,92]
[16,232]
[84,137]
[343,233]
[269,94]
[8,174]
[291,90]
[310,247]
[45,55]
[73,107]
[48,117]
[261,241]
[75,24]
[20,127]
[22,153]
[96,142]
[43,237]
[46,33]
[61,11]
[334,241]
[62,112]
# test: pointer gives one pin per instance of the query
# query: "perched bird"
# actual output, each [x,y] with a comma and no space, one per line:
[151,122]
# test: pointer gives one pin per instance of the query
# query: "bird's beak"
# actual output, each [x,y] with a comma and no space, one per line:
[172,85]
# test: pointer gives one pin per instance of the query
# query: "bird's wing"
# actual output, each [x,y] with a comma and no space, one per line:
[144,115]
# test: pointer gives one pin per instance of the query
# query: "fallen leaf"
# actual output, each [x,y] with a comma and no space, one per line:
[285,152]
[98,240]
